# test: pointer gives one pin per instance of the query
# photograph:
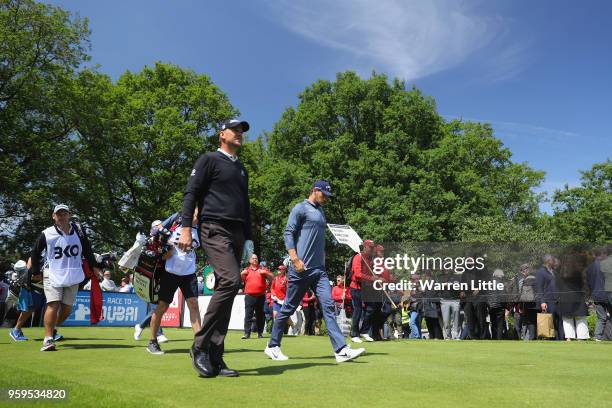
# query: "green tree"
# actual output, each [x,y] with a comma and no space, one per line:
[584,213]
[399,170]
[128,153]
[135,143]
[499,229]
[41,47]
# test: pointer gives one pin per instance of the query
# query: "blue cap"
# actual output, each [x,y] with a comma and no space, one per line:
[323,185]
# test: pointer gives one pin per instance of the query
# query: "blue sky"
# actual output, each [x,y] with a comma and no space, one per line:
[539,72]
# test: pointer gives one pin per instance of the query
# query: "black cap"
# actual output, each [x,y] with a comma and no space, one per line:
[232,123]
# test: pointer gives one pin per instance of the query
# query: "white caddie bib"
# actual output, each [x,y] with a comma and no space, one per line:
[64,252]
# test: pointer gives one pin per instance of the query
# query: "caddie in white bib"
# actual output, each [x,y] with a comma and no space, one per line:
[64,265]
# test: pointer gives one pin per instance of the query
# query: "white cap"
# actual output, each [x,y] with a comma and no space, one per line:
[60,207]
[20,266]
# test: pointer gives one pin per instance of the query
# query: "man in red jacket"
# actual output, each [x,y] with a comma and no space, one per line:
[254,277]
[361,270]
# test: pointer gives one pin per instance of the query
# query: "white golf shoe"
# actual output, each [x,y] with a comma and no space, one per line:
[348,353]
[275,353]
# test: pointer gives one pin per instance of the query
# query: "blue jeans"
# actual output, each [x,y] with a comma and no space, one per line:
[298,284]
[415,325]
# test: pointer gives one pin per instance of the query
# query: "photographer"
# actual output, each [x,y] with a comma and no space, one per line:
[64,251]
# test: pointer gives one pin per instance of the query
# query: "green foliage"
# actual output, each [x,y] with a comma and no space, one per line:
[139,145]
[584,213]
[41,46]
[592,322]
[398,170]
[126,159]
[492,229]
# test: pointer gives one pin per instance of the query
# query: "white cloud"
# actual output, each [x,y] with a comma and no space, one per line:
[409,38]
[514,129]
[523,130]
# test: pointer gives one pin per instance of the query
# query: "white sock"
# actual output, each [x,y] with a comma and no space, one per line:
[47,338]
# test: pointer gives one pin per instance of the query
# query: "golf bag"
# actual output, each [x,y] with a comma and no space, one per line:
[151,266]
[147,276]
[17,278]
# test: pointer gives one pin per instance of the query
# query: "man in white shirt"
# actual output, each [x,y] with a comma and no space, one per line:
[107,284]
[180,273]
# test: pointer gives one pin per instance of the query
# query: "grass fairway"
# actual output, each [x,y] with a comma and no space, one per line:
[105,367]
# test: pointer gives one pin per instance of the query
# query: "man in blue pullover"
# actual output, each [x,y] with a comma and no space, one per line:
[305,243]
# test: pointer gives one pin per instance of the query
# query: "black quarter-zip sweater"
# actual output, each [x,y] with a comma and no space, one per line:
[220,188]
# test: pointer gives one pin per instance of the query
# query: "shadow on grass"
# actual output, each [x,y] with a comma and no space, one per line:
[229,351]
[97,346]
[178,351]
[331,356]
[79,339]
[280,369]
[242,350]
[181,340]
[88,339]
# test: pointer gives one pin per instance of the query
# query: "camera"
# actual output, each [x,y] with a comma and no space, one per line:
[106,260]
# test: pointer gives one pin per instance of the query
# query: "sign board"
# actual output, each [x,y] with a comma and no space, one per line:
[119,309]
[344,234]
[172,317]
[236,318]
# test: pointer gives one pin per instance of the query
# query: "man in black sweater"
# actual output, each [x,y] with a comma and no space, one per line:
[218,186]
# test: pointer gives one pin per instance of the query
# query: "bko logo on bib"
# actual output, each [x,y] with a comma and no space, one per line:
[72,250]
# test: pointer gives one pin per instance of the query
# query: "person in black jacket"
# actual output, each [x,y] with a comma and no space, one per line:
[475,304]
[547,294]
[431,312]
[497,308]
[219,187]
[522,292]
[597,287]
[571,283]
